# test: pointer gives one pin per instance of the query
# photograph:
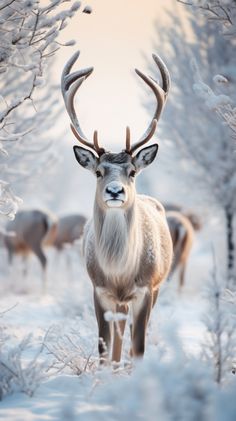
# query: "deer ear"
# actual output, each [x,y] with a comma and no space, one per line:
[85,158]
[145,157]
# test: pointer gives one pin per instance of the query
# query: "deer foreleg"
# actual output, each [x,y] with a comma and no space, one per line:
[104,330]
[141,311]
[119,328]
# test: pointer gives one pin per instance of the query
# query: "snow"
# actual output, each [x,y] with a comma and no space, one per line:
[67,382]
[220,79]
[212,101]
[87,9]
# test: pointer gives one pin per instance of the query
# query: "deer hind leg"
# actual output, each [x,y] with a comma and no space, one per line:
[10,255]
[104,330]
[182,274]
[119,328]
[43,260]
[187,245]
[141,311]
[25,263]
[154,297]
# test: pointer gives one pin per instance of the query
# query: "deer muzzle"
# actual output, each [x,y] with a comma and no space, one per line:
[114,195]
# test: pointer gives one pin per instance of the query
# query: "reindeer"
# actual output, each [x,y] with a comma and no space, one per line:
[192,216]
[127,244]
[69,229]
[182,227]
[28,233]
[182,234]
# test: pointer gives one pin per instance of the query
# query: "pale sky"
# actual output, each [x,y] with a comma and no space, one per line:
[113,39]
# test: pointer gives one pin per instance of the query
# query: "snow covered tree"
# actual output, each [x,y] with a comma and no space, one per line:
[203,148]
[221,104]
[29,31]
[221,12]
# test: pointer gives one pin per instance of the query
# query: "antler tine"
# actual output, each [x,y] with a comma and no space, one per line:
[99,150]
[164,73]
[70,83]
[67,76]
[160,93]
[127,140]
[146,137]
[81,139]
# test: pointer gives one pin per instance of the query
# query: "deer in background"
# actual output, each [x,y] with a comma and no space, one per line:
[69,229]
[182,227]
[28,233]
[127,244]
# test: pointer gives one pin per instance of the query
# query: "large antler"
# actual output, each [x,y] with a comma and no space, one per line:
[70,83]
[161,93]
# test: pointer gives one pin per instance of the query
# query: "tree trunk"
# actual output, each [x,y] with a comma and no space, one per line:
[231,276]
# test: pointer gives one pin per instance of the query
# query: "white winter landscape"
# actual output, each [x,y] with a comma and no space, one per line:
[50,368]
[50,343]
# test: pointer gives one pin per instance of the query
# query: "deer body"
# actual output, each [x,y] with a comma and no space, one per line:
[131,263]
[127,249]
[69,229]
[28,233]
[127,244]
[182,229]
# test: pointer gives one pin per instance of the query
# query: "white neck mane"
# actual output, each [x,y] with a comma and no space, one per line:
[117,243]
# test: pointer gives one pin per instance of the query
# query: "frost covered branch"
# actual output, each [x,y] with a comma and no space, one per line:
[219,348]
[29,37]
[221,104]
[67,352]
[15,374]
[221,11]
[7,310]
[9,202]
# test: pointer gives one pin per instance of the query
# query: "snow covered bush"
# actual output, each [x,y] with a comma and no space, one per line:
[17,372]
[168,384]
[161,389]
[219,346]
[71,349]
[29,32]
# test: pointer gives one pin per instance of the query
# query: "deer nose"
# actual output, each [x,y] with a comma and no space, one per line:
[115,191]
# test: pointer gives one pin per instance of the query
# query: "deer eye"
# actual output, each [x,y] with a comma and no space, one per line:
[132,173]
[98,174]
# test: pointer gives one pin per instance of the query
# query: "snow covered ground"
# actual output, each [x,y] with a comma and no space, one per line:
[50,341]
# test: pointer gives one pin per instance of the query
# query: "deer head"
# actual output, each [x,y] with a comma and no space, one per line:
[115,172]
